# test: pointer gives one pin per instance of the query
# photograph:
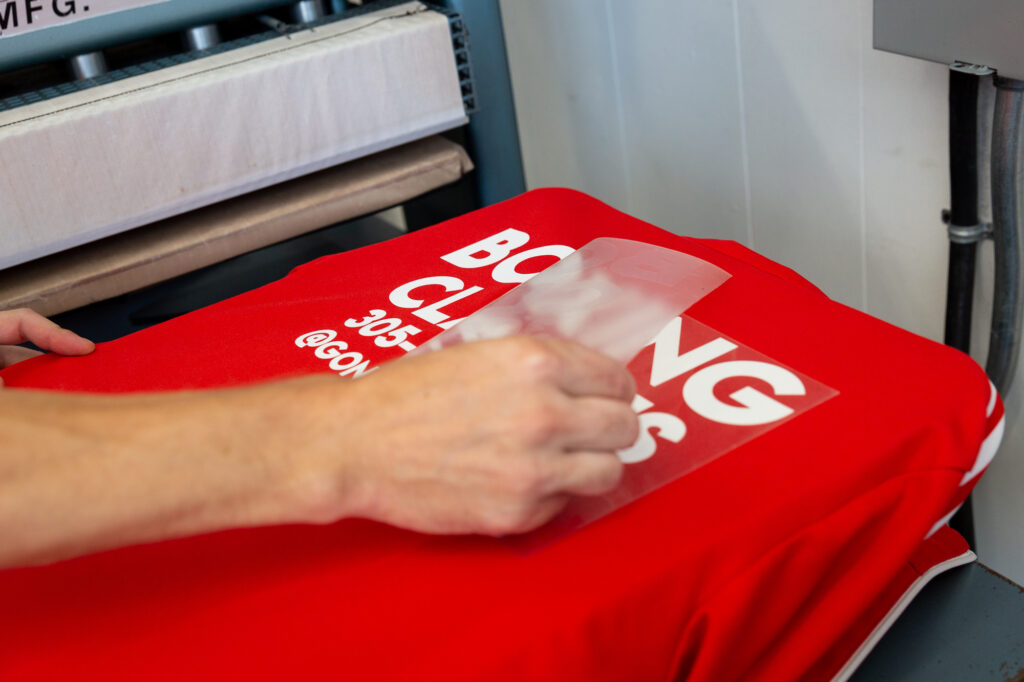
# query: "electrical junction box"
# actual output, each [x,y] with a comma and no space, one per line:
[983,32]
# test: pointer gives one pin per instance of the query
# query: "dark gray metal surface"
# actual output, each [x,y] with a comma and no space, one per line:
[967,624]
[494,143]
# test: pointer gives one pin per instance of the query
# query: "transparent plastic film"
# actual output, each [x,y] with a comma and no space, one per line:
[612,295]
[700,395]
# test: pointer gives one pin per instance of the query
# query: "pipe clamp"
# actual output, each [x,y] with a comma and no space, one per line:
[969,234]
[979,70]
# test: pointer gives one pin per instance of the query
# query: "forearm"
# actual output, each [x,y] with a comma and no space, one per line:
[85,473]
[491,437]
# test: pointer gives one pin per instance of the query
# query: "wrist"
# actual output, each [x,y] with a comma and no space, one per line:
[313,450]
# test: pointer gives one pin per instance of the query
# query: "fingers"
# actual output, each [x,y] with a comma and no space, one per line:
[580,473]
[581,371]
[491,437]
[21,325]
[589,422]
[594,428]
[600,424]
[66,342]
[539,513]
[587,473]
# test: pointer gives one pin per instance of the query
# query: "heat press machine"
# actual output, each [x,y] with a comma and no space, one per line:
[146,140]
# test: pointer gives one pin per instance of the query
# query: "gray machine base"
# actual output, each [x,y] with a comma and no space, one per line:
[967,624]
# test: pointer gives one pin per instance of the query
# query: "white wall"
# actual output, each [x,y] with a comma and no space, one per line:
[773,123]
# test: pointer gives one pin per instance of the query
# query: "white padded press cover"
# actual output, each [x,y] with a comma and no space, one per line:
[113,157]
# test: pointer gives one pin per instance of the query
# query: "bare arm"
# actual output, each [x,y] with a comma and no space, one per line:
[490,437]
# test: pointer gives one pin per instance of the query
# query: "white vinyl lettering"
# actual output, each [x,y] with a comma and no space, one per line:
[376,314]
[357,370]
[668,364]
[314,339]
[397,337]
[432,313]
[380,327]
[507,273]
[344,361]
[667,426]
[330,350]
[450,323]
[352,363]
[641,404]
[488,251]
[757,408]
[402,297]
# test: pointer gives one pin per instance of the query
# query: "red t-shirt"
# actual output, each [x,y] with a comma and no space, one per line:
[783,557]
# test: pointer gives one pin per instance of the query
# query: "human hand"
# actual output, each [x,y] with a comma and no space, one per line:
[489,437]
[21,325]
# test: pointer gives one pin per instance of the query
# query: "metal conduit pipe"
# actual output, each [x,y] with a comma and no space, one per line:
[963,207]
[965,229]
[1007,185]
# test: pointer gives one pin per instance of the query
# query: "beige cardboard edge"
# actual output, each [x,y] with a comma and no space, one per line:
[184,243]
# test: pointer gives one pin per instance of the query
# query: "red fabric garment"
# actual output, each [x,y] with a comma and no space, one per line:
[776,561]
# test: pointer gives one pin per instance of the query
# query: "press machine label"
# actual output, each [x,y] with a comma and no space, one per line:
[22,16]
